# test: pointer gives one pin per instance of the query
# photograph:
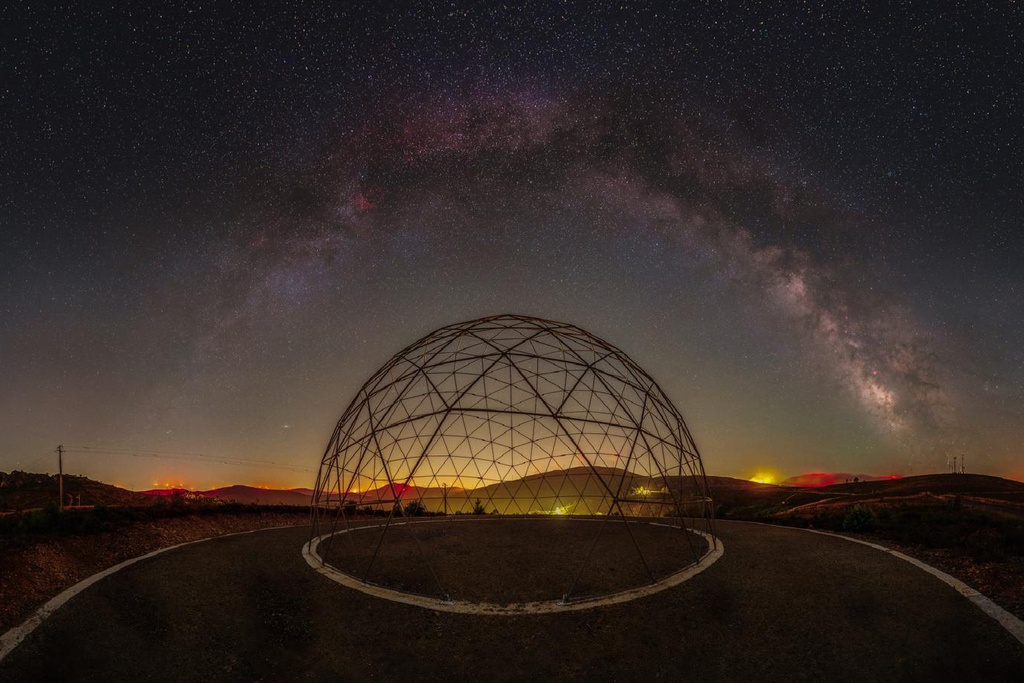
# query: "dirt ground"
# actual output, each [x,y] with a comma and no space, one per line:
[33,570]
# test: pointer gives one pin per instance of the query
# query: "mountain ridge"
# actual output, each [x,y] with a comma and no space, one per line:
[21,490]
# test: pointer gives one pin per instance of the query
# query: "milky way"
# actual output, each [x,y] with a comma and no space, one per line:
[804,224]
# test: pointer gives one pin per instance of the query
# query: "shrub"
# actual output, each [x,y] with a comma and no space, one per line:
[415,509]
[859,518]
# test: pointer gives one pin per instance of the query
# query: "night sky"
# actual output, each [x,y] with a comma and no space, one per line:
[804,219]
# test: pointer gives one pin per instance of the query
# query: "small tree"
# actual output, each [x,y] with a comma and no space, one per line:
[478,508]
[415,509]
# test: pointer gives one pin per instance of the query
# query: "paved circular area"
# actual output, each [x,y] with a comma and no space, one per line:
[780,605]
[504,566]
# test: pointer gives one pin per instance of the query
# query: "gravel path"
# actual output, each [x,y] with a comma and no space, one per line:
[781,605]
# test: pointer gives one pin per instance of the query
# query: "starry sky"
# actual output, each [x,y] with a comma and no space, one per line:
[804,219]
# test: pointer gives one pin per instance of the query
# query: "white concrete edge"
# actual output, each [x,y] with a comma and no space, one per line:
[309,551]
[13,637]
[1005,619]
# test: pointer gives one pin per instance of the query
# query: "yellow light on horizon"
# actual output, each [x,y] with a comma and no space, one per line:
[763,478]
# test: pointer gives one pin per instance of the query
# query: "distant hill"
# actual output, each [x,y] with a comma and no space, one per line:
[184,494]
[571,490]
[240,494]
[977,491]
[166,493]
[819,479]
[26,490]
[975,484]
[251,494]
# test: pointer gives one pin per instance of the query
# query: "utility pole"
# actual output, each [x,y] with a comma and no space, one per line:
[60,469]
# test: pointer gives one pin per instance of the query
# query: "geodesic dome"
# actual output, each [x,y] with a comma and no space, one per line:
[510,415]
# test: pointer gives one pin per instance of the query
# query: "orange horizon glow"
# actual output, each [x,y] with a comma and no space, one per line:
[812,479]
[174,482]
[170,485]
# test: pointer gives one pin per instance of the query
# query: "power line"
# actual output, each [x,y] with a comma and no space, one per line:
[30,465]
[194,457]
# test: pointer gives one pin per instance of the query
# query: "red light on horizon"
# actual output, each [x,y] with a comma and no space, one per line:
[813,480]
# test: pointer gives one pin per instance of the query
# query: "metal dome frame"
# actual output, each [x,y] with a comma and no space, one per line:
[516,416]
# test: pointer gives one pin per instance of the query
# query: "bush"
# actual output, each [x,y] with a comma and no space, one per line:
[415,509]
[859,518]
[478,508]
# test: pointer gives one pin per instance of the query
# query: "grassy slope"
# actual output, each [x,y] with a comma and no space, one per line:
[39,490]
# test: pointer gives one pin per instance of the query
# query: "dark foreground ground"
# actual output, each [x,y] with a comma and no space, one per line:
[781,605]
[503,560]
[56,550]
